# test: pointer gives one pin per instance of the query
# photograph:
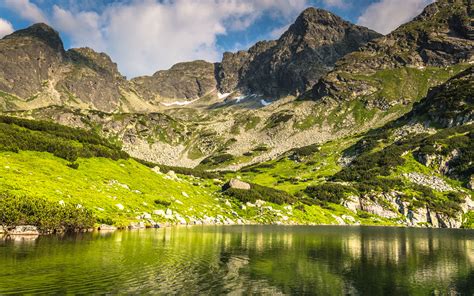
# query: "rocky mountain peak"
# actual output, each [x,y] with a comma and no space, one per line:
[294,62]
[99,62]
[42,32]
[312,16]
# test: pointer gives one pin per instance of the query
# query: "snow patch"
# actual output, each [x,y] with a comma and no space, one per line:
[264,103]
[239,98]
[222,96]
[179,103]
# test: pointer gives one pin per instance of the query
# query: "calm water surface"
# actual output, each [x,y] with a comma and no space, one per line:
[273,260]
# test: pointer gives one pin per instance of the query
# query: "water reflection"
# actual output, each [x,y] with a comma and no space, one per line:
[244,260]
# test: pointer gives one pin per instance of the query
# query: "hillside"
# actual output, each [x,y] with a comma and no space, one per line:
[414,171]
[199,112]
[420,165]
[331,123]
[60,165]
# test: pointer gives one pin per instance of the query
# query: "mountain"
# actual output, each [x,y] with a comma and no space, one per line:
[187,115]
[416,170]
[37,72]
[334,120]
[81,78]
[441,36]
[184,81]
[294,62]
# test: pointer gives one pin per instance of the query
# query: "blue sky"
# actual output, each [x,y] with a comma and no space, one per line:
[143,36]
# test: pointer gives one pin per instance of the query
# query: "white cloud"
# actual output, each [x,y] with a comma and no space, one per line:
[387,15]
[336,3]
[82,27]
[277,32]
[26,10]
[143,36]
[5,27]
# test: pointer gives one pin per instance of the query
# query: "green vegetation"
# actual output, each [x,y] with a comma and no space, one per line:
[248,122]
[215,160]
[262,193]
[278,118]
[329,192]
[68,143]
[48,216]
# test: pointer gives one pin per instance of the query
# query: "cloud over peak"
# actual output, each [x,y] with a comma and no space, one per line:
[386,15]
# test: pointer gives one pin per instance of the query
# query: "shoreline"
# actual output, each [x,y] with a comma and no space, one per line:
[30,234]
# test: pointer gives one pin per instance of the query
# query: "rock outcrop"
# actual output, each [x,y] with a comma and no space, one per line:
[184,81]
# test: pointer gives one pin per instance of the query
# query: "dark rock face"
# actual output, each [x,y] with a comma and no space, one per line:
[450,104]
[188,80]
[437,37]
[27,58]
[93,78]
[293,63]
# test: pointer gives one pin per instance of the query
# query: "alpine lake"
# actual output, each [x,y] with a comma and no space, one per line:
[242,260]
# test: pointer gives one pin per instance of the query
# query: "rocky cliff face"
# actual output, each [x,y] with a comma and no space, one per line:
[27,59]
[293,63]
[438,37]
[450,104]
[184,81]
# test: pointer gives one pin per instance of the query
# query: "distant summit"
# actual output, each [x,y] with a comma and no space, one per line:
[41,32]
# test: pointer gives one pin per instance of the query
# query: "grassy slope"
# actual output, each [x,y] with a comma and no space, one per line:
[44,175]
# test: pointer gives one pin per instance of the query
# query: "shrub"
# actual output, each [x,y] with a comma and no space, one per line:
[260,192]
[64,142]
[46,215]
[73,165]
[162,202]
[329,192]
[180,170]
[216,159]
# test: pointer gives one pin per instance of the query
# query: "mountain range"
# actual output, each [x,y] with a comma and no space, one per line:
[330,111]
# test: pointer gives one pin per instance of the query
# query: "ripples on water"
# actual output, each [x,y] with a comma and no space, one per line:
[237,260]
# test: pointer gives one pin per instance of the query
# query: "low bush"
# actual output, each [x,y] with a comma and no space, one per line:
[46,215]
[73,165]
[180,170]
[68,143]
[329,192]
[260,192]
[162,202]
[216,159]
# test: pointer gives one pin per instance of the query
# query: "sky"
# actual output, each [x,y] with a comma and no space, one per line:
[143,36]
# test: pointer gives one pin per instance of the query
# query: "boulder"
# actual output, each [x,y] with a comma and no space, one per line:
[470,184]
[105,227]
[172,175]
[136,225]
[236,184]
[159,212]
[24,230]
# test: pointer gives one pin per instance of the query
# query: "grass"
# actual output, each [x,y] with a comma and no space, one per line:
[99,184]
[295,175]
